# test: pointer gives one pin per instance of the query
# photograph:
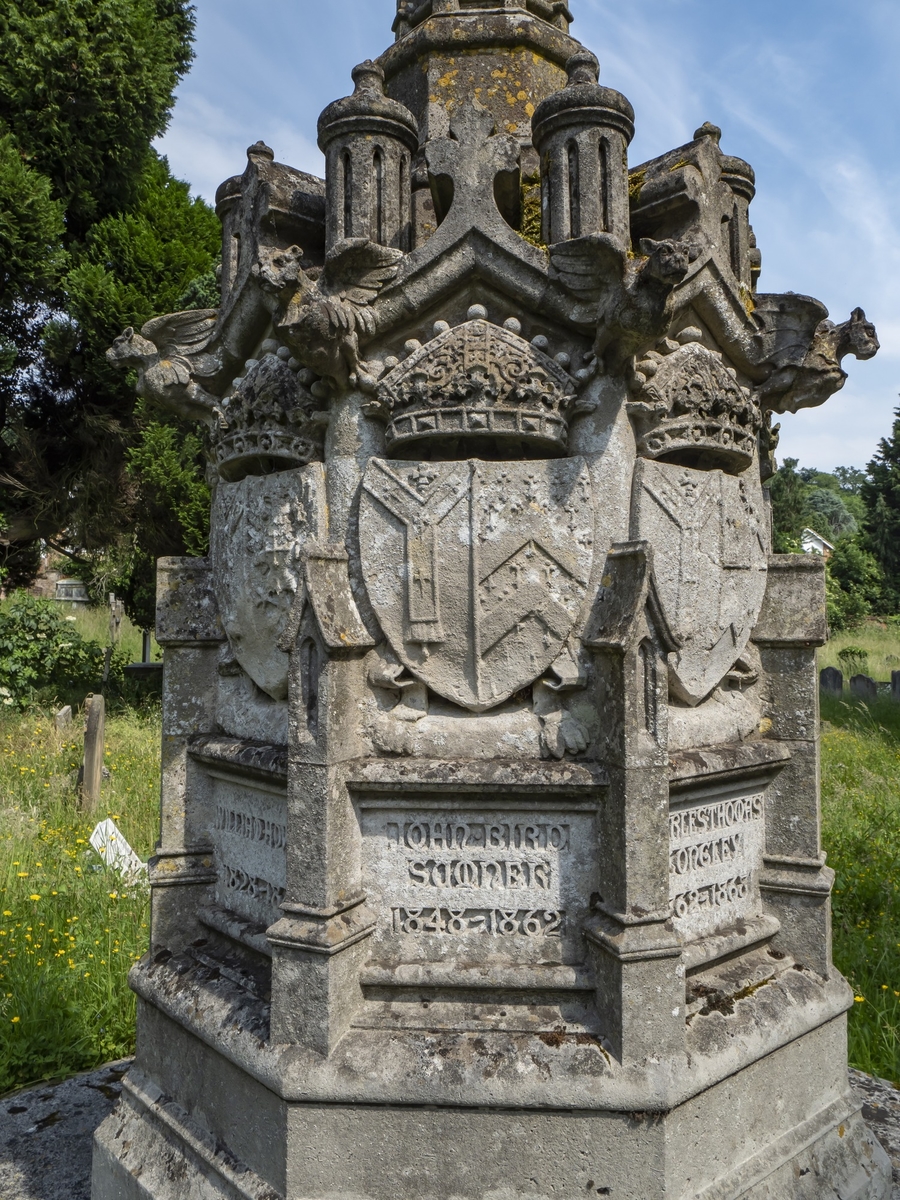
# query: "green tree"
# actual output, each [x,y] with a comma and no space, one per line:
[881,494]
[854,585]
[85,86]
[791,513]
[95,235]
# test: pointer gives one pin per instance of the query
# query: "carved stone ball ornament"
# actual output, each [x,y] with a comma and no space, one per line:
[269,422]
[476,382]
[689,408]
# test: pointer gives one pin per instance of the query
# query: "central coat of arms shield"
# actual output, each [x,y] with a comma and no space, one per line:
[477,571]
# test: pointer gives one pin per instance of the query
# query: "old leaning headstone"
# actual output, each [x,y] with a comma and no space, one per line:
[831,680]
[490,861]
[864,687]
[94,743]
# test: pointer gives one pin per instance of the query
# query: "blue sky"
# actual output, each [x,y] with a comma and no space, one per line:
[808,92]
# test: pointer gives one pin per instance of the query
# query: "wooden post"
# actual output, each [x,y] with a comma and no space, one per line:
[94,741]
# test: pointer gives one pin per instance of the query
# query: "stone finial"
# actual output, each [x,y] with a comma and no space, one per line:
[583,68]
[261,150]
[707,129]
[368,76]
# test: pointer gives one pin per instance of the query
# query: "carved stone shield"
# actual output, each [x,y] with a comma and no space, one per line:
[261,526]
[477,570]
[709,535]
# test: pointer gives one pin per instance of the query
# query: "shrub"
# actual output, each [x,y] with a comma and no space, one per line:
[854,660]
[42,656]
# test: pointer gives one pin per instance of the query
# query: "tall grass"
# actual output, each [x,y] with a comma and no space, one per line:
[69,928]
[879,639]
[861,833]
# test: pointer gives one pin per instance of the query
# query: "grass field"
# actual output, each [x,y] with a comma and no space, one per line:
[861,833]
[93,624]
[69,930]
[881,642]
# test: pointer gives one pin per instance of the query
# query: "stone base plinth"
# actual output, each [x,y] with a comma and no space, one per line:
[786,1127]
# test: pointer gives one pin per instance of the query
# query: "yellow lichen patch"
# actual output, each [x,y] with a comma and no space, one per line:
[498,74]
[522,95]
[447,80]
[529,109]
[512,127]
[511,100]
[682,162]
[635,185]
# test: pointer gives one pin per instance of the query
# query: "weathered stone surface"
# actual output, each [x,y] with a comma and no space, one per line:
[895,686]
[864,687]
[831,680]
[490,750]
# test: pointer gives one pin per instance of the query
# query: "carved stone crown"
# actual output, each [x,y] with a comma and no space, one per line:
[268,424]
[689,408]
[478,382]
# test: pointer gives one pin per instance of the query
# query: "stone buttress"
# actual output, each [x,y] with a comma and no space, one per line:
[490,861]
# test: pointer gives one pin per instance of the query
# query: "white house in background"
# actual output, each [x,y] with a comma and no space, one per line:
[814,543]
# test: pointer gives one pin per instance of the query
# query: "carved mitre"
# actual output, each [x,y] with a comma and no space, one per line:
[268,424]
[689,408]
[477,382]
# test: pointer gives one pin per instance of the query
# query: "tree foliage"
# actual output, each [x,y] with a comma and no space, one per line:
[85,86]
[881,494]
[95,235]
[833,505]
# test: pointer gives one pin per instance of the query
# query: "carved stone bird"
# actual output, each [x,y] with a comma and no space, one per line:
[325,318]
[169,354]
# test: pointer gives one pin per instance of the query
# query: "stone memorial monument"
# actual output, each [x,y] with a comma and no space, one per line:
[490,862]
[831,681]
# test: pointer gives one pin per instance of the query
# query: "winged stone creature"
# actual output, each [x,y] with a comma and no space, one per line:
[169,354]
[631,297]
[809,383]
[326,316]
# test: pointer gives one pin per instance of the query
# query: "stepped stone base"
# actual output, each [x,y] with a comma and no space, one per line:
[149,1149]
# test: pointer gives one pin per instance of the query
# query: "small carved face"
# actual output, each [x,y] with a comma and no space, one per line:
[863,341]
[669,260]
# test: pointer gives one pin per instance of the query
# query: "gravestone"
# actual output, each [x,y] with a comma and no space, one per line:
[94,745]
[831,680]
[490,861]
[864,687]
[895,686]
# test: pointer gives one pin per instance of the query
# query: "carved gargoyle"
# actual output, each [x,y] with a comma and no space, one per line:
[811,382]
[325,316]
[633,296]
[170,354]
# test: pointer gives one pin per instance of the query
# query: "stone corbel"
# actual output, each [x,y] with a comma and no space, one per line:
[387,673]
[561,732]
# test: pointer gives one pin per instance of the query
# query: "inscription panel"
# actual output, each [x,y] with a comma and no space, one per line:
[715,856]
[479,882]
[250,835]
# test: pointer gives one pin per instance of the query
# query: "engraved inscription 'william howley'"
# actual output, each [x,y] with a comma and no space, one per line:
[477,570]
